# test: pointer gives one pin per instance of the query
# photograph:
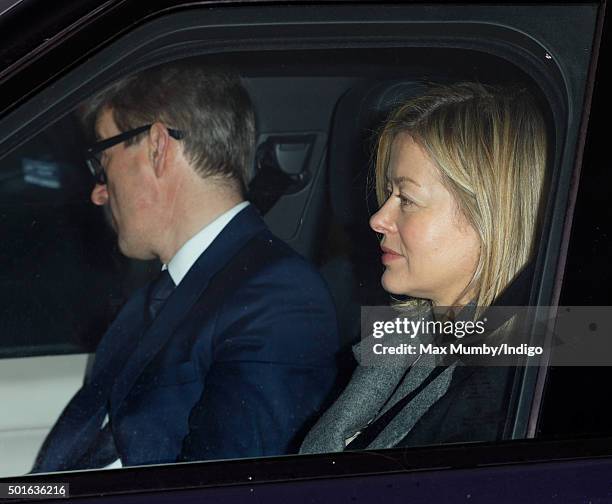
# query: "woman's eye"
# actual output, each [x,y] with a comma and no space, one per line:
[404,202]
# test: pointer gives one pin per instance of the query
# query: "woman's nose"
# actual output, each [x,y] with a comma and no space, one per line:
[382,222]
[99,195]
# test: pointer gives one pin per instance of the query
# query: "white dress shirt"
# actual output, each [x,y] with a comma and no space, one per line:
[185,258]
[193,248]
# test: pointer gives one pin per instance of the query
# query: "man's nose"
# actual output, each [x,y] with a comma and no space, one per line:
[382,221]
[99,195]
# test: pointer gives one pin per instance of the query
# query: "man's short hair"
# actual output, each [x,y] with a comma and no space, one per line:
[212,107]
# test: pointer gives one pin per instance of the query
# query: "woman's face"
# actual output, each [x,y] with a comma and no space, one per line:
[429,249]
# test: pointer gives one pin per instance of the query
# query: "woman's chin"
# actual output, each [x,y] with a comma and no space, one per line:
[391,286]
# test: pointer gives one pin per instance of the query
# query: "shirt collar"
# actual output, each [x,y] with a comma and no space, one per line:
[193,248]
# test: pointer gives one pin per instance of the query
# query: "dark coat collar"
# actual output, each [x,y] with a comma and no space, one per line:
[244,226]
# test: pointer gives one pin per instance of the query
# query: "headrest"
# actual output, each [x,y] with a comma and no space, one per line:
[358,116]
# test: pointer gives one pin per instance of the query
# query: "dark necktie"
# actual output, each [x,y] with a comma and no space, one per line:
[159,292]
[94,446]
[103,451]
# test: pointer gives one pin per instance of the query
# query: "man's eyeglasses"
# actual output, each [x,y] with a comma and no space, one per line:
[92,153]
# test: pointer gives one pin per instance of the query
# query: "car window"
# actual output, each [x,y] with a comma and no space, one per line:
[55,239]
[319,111]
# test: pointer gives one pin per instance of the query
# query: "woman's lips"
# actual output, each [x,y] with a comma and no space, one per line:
[389,255]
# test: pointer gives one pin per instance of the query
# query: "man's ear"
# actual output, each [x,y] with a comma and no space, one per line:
[158,147]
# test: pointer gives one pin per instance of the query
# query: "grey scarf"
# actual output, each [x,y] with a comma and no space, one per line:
[371,391]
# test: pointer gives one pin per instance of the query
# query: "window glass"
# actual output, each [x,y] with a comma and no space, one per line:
[311,175]
[59,271]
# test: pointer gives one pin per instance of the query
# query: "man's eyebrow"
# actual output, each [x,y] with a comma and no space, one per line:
[400,180]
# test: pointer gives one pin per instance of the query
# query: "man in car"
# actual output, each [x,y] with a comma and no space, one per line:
[230,352]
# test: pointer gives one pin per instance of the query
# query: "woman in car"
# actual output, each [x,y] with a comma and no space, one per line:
[459,179]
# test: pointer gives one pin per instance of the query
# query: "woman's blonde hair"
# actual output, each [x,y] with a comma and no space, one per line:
[489,144]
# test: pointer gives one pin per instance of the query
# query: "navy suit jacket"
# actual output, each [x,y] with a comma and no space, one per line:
[237,363]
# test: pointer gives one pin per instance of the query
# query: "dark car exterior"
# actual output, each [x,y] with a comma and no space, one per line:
[50,63]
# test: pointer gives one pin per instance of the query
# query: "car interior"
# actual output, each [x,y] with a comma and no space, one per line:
[311,179]
[318,112]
